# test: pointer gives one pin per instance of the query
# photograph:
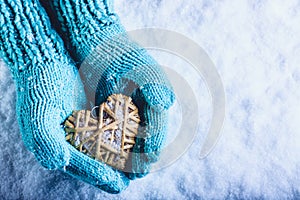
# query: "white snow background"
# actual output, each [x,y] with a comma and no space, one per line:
[255,46]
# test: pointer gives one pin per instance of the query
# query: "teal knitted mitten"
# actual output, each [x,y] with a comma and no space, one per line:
[99,43]
[45,78]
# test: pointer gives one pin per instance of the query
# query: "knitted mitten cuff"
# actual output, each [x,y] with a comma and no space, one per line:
[99,43]
[83,25]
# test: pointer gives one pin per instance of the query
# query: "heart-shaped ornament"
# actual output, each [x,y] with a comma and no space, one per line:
[109,137]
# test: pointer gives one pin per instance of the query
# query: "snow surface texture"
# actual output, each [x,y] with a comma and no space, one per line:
[255,46]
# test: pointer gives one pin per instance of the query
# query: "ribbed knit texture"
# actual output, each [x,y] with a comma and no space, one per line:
[45,78]
[99,44]
[93,33]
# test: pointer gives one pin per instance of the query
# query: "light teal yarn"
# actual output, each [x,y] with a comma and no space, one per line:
[93,33]
[150,139]
[98,42]
[45,77]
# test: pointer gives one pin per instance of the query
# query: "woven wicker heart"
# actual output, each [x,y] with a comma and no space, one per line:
[108,138]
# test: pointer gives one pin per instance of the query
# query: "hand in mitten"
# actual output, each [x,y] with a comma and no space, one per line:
[98,42]
[45,79]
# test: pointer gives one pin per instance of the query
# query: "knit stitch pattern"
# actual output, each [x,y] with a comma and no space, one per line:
[45,78]
[98,42]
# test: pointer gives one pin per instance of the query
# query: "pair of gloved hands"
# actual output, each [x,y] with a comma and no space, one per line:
[46,77]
